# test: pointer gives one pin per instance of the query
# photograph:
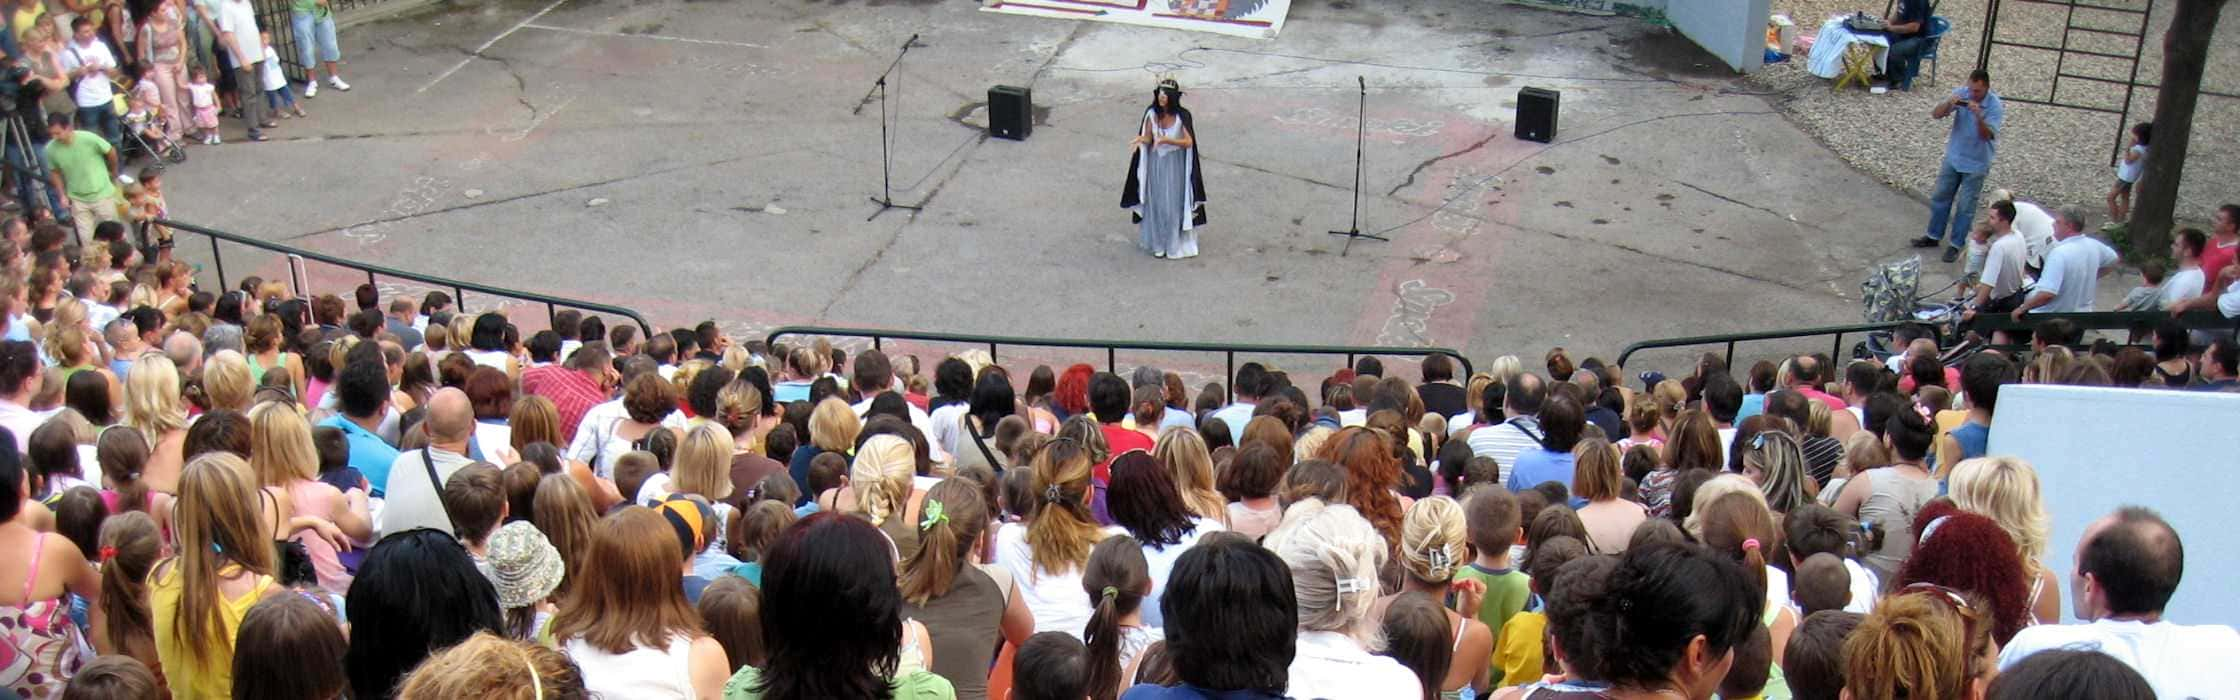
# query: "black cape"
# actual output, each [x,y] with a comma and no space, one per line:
[1131,195]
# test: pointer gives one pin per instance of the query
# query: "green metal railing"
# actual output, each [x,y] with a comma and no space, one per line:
[552,304]
[1112,348]
[2099,320]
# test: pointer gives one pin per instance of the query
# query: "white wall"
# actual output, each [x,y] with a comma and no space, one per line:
[1732,30]
[2173,451]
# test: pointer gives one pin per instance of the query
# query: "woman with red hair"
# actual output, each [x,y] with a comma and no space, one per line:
[1970,553]
[1071,398]
[1371,474]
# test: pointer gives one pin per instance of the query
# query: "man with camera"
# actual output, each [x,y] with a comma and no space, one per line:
[1976,114]
[23,130]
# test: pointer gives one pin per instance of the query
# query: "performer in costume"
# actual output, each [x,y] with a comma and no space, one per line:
[1166,190]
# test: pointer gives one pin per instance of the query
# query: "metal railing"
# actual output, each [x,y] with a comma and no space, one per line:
[2090,321]
[552,304]
[1112,348]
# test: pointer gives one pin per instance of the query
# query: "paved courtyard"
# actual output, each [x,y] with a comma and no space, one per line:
[698,159]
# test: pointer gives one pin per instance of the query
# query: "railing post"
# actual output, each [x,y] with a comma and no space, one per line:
[1730,356]
[1228,371]
[551,315]
[1837,351]
[459,299]
[1111,359]
[295,277]
[370,281]
[991,353]
[217,260]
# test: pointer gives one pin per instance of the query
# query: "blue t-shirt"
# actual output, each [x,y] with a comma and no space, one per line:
[693,585]
[1752,404]
[369,454]
[1974,439]
[1537,465]
[1965,150]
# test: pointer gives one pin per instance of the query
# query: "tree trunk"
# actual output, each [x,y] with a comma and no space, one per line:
[2185,52]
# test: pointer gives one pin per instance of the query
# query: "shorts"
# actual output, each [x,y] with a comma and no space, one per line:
[2123,186]
[315,39]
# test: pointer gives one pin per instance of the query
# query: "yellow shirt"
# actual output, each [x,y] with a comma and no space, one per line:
[25,17]
[1518,653]
[213,679]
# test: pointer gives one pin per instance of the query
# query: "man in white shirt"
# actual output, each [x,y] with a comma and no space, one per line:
[1251,381]
[2128,566]
[88,61]
[414,495]
[2034,223]
[875,375]
[2188,281]
[2073,269]
[19,379]
[1503,442]
[2002,277]
[237,34]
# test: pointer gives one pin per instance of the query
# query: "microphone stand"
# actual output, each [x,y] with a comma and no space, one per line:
[885,200]
[1361,130]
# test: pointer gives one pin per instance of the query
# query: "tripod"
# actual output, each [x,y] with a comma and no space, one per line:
[26,168]
[1360,133]
[885,200]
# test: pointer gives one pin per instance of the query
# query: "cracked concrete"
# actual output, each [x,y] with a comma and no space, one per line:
[1674,219]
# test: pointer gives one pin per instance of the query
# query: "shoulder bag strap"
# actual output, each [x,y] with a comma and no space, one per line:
[428,459]
[993,463]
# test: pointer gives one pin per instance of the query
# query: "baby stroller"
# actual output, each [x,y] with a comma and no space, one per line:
[1891,292]
[137,144]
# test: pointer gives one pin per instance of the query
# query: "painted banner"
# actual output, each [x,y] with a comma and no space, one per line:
[1258,19]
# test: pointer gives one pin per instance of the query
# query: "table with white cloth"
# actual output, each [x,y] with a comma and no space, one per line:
[1826,59]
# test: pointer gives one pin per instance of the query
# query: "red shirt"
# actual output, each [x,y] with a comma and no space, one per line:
[1120,440]
[573,393]
[2214,257]
[1834,404]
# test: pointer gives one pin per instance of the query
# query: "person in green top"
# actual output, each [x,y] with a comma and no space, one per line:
[314,24]
[1491,516]
[81,165]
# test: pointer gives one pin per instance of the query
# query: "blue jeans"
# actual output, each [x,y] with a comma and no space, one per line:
[283,97]
[101,119]
[1944,212]
[314,32]
[1905,59]
[31,176]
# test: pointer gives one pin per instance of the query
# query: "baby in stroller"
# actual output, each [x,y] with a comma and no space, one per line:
[145,125]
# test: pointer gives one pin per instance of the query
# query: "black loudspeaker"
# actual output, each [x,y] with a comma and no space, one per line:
[1010,112]
[1536,114]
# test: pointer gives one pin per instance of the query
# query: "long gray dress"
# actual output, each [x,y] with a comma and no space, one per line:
[1164,172]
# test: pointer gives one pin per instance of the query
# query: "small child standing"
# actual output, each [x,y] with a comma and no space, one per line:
[2146,297]
[203,97]
[1490,517]
[276,92]
[2127,172]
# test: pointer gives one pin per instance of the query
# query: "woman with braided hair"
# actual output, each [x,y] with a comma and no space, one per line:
[1434,544]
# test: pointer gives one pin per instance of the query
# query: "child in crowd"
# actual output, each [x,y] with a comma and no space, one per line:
[526,570]
[78,513]
[203,98]
[752,532]
[731,610]
[1520,652]
[1813,530]
[2128,170]
[827,472]
[2148,296]
[475,498]
[277,96]
[289,646]
[1490,517]
[144,204]
[114,678]
[632,471]
[1116,580]
[1822,584]
[1417,635]
[334,461]
[144,118]
[1050,666]
[1812,663]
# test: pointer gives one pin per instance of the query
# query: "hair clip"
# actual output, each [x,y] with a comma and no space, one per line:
[1052,494]
[935,515]
[108,553]
[1439,559]
[1931,529]
[1349,585]
[1111,592]
[1924,411]
[1750,545]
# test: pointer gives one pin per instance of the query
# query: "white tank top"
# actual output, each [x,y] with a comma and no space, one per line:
[643,672]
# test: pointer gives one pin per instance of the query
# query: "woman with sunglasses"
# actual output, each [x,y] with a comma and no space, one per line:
[1924,641]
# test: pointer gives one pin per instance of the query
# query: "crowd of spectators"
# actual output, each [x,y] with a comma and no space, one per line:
[251,495]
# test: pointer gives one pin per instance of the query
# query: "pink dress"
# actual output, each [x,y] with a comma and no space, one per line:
[204,97]
[310,498]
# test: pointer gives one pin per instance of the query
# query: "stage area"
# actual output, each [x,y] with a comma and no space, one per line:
[700,160]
